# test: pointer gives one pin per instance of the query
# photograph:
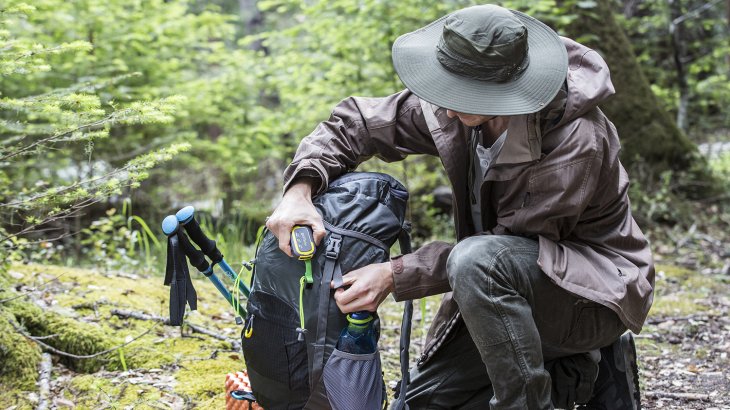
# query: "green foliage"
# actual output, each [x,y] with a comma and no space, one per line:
[657,204]
[331,50]
[114,241]
[236,234]
[704,48]
[89,89]
[51,119]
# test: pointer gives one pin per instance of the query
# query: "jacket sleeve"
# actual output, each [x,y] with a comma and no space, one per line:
[359,128]
[421,273]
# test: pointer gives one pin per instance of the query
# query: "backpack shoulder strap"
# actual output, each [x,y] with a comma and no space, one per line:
[404,240]
[332,253]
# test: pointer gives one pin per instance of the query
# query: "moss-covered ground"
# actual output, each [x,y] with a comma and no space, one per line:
[170,367]
[167,367]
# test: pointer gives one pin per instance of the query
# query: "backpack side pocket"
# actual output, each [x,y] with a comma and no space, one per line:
[354,381]
[276,361]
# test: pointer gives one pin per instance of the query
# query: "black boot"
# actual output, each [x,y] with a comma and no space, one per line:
[617,386]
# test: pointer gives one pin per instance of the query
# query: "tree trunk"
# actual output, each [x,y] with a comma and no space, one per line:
[676,31]
[648,133]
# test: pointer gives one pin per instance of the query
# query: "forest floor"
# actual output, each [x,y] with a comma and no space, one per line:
[683,349]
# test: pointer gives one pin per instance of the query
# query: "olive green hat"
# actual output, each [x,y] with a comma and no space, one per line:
[484,60]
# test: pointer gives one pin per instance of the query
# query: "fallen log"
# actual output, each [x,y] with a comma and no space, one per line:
[44,382]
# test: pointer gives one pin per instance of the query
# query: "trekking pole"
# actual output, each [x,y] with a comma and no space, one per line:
[186,217]
[170,226]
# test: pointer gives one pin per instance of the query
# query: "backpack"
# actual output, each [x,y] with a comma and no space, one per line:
[293,368]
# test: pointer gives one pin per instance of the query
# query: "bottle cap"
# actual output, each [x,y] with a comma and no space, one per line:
[359,318]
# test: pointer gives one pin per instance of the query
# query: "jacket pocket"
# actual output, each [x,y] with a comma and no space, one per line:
[275,359]
[354,381]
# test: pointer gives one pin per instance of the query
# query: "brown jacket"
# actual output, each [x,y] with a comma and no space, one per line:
[561,183]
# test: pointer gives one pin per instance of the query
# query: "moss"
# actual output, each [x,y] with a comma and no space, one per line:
[169,351]
[681,291]
[15,399]
[72,336]
[702,353]
[19,357]
[85,295]
[204,379]
[674,272]
[90,391]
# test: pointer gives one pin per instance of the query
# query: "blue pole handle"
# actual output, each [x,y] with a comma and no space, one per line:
[186,218]
[170,225]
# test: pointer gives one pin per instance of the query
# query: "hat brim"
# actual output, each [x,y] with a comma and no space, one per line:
[414,59]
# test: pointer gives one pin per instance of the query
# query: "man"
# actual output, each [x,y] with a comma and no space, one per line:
[550,266]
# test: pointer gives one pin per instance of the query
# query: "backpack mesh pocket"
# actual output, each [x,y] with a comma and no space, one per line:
[354,381]
[276,360]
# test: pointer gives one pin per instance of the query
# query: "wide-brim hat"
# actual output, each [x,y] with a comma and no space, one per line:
[429,62]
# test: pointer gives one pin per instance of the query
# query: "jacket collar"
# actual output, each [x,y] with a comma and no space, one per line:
[524,139]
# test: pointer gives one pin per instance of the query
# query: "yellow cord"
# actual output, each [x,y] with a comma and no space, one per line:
[301,301]
[236,295]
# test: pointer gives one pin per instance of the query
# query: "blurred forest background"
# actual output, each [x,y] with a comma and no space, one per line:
[116,113]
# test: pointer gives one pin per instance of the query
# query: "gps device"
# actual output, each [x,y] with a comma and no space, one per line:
[302,242]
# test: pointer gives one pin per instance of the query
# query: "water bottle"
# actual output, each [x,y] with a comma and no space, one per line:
[359,336]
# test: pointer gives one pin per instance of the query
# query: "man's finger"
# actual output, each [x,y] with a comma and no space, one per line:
[319,232]
[347,280]
[284,246]
[351,306]
[284,237]
[343,297]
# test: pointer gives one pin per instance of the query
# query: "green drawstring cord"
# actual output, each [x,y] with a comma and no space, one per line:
[237,291]
[248,329]
[301,301]
[304,281]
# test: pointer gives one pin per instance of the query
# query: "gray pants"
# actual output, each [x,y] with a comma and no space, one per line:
[518,328]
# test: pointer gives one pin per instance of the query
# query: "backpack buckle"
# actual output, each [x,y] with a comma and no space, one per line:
[333,246]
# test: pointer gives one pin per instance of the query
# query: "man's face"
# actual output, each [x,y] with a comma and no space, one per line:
[470,120]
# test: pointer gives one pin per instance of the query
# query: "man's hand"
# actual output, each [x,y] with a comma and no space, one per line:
[295,208]
[368,288]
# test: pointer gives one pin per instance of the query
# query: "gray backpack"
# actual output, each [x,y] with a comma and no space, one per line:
[292,368]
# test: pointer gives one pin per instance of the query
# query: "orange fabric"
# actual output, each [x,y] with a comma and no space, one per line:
[238,381]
